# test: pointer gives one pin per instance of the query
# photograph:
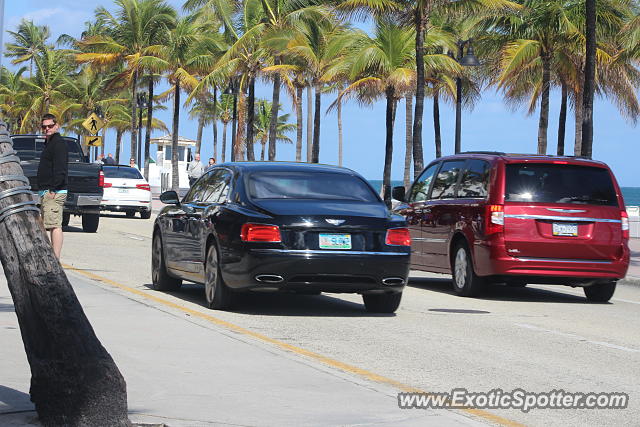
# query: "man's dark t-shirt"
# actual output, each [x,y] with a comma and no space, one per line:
[53,168]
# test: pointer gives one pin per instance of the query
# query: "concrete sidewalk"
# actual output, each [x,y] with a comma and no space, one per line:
[184,371]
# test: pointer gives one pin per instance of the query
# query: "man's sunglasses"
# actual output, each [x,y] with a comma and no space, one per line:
[48,126]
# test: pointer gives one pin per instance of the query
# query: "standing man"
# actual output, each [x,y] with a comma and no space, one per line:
[52,180]
[194,169]
[109,160]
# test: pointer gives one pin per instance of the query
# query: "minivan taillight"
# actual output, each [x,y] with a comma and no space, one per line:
[398,237]
[494,219]
[101,179]
[143,187]
[625,224]
[260,233]
[107,184]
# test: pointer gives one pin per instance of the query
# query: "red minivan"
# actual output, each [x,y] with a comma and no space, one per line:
[491,217]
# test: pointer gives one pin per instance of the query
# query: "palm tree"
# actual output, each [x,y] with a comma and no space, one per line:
[225,114]
[263,126]
[29,41]
[129,40]
[12,97]
[183,49]
[46,86]
[383,66]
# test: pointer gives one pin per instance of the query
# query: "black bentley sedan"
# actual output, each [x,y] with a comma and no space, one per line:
[277,226]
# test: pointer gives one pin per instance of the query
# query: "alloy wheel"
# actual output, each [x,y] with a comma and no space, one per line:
[461,266]
[211,274]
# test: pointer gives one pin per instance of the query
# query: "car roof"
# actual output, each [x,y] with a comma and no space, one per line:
[519,157]
[279,166]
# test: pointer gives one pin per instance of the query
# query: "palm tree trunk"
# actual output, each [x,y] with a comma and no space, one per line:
[134,115]
[315,157]
[251,111]
[562,120]
[436,122]
[543,124]
[104,133]
[339,132]
[264,146]
[215,122]
[224,141]
[421,18]
[275,107]
[175,173]
[298,107]
[408,140]
[577,148]
[199,134]
[147,136]
[589,79]
[309,124]
[240,142]
[118,144]
[388,148]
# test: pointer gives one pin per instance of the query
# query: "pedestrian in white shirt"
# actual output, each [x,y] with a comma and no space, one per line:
[194,169]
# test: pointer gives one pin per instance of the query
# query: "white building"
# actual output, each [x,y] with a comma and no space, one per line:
[160,171]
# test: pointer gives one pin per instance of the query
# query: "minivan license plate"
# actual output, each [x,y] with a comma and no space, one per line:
[565,229]
[335,241]
[123,190]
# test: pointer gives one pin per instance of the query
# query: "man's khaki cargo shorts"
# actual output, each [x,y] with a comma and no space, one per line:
[51,209]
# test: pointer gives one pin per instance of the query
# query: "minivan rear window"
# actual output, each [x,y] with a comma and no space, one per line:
[555,183]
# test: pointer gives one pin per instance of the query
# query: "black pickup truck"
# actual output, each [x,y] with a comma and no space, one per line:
[86,179]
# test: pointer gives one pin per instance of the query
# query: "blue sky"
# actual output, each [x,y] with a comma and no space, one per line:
[490,126]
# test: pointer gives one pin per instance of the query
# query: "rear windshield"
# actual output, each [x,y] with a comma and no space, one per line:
[121,172]
[310,185]
[545,183]
[30,148]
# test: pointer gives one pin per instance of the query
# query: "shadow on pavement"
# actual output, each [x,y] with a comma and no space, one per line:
[12,401]
[281,304]
[499,292]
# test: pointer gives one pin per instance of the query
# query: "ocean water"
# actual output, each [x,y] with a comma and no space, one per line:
[631,194]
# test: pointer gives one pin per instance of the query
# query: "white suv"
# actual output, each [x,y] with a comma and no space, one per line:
[126,190]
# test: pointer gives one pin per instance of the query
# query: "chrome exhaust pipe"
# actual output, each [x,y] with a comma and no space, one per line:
[269,278]
[393,281]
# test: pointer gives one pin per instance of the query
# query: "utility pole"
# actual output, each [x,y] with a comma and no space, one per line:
[1,31]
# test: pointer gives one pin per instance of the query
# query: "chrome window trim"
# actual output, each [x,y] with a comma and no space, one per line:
[563,218]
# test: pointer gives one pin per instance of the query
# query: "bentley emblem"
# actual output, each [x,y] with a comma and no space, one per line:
[335,221]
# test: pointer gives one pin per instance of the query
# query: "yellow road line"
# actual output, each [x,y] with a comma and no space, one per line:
[488,416]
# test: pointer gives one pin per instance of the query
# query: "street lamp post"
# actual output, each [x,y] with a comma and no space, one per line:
[99,113]
[232,89]
[142,103]
[468,60]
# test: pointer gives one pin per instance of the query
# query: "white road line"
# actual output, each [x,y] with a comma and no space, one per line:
[578,338]
[135,238]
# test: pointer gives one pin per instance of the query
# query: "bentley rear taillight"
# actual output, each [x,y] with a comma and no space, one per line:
[260,233]
[398,237]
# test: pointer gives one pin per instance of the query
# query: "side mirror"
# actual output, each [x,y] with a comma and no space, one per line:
[398,193]
[170,198]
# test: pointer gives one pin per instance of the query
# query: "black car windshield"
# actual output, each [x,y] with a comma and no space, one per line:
[121,172]
[559,183]
[309,185]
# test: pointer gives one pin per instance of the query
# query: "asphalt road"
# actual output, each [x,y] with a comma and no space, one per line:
[539,338]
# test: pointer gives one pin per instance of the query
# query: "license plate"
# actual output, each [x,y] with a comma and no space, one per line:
[123,190]
[335,241]
[564,229]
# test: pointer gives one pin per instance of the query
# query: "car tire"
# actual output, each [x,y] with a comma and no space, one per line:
[90,222]
[217,293]
[465,281]
[160,278]
[130,214]
[145,214]
[65,219]
[382,303]
[600,292]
